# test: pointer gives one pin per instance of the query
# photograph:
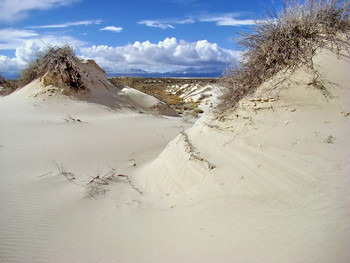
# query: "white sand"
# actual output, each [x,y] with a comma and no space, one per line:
[267,185]
[205,95]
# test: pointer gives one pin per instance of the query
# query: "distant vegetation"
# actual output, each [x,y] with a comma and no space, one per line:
[157,87]
[7,86]
[59,64]
[286,41]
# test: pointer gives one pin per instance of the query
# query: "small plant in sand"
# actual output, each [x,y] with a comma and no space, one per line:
[58,66]
[285,41]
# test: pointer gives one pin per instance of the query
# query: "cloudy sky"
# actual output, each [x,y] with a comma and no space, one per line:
[125,35]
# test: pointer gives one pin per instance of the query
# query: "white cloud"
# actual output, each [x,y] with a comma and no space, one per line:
[167,55]
[112,28]
[155,23]
[14,10]
[189,20]
[69,24]
[11,38]
[8,65]
[227,20]
[29,49]
[170,54]
[167,23]
[221,19]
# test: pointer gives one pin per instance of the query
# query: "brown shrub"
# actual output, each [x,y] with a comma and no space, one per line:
[286,41]
[60,63]
[8,86]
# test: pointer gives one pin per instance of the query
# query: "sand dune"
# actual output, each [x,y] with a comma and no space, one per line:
[267,184]
[45,136]
[277,167]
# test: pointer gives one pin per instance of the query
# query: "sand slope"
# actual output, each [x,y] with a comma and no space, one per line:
[271,178]
[44,217]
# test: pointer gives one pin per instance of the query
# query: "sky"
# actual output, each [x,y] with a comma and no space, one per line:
[130,35]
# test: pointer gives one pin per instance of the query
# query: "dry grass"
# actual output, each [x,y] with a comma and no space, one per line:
[59,64]
[287,41]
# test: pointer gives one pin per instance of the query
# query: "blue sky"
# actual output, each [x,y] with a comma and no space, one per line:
[150,35]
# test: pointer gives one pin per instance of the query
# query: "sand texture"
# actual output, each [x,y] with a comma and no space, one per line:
[105,178]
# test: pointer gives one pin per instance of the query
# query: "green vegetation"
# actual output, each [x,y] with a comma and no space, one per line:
[287,41]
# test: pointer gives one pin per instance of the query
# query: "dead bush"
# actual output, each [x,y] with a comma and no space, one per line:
[7,86]
[59,65]
[285,41]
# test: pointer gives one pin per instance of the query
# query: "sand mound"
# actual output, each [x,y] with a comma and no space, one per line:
[144,102]
[51,147]
[285,147]
[91,84]
[281,118]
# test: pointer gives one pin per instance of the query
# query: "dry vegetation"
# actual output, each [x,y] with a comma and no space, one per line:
[154,87]
[7,86]
[286,41]
[58,64]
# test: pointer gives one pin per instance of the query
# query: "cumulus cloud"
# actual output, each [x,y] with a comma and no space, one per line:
[69,24]
[170,54]
[167,55]
[10,66]
[29,49]
[13,10]
[112,28]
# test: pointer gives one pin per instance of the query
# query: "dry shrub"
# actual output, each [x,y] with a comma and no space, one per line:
[8,86]
[61,65]
[286,41]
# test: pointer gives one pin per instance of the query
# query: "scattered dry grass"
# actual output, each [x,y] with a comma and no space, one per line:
[286,41]
[98,184]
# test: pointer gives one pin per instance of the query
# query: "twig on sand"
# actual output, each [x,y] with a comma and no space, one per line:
[62,171]
[69,118]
